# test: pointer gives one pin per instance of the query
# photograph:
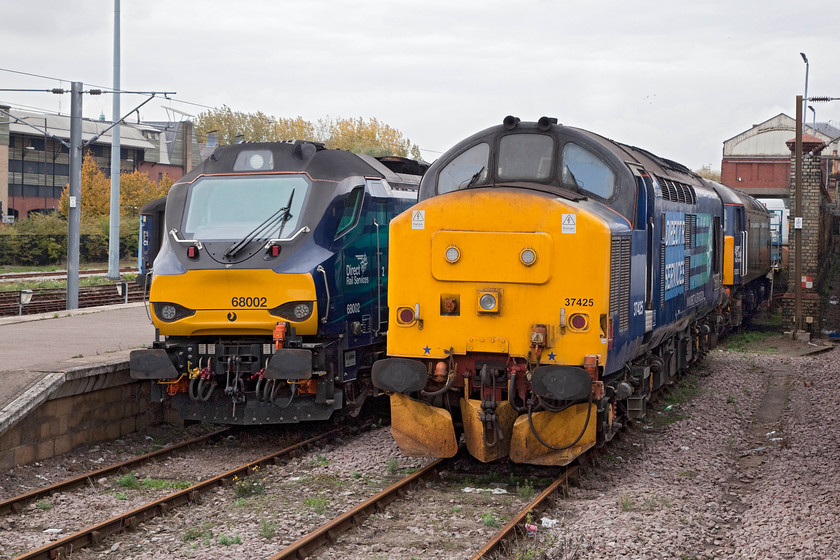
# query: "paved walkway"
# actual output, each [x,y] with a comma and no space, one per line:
[36,347]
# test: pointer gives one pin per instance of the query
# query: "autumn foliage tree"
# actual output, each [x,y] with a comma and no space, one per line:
[355,135]
[136,189]
[708,173]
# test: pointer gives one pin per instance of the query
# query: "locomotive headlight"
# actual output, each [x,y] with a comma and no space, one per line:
[302,311]
[171,311]
[168,312]
[528,256]
[256,161]
[293,311]
[488,302]
[253,160]
[453,254]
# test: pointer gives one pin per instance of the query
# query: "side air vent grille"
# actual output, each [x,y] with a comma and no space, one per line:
[620,281]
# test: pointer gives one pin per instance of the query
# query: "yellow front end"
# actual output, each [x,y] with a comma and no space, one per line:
[231,302]
[504,274]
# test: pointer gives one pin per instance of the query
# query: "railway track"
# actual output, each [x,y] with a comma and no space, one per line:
[129,520]
[57,274]
[329,533]
[49,300]
[517,527]
[17,503]
[422,492]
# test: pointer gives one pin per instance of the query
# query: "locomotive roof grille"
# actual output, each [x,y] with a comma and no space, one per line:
[677,192]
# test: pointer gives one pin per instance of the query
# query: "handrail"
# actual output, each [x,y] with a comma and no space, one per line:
[378,282]
[277,241]
[195,242]
[327,289]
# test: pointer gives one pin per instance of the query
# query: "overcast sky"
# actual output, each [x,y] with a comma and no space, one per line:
[676,78]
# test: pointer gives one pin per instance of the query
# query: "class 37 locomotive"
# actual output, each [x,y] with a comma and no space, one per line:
[547,282]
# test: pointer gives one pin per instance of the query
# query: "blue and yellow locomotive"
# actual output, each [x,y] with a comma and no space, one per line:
[269,290]
[547,282]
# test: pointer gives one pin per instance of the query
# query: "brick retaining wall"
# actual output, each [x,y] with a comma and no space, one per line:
[68,421]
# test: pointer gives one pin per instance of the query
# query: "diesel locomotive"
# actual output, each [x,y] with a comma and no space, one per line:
[269,281]
[548,281]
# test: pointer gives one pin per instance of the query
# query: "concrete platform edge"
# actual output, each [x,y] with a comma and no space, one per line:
[29,400]
[64,379]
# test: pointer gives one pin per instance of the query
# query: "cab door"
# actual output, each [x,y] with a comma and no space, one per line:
[644,241]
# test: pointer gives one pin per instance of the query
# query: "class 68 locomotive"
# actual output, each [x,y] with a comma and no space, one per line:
[269,281]
[548,281]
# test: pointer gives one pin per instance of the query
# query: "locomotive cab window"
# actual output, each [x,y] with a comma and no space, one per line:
[525,157]
[583,170]
[224,208]
[352,206]
[467,169]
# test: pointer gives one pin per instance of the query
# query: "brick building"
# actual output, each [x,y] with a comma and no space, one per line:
[35,165]
[758,161]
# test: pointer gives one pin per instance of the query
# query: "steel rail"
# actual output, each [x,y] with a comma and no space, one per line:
[328,532]
[16,503]
[517,524]
[21,276]
[63,548]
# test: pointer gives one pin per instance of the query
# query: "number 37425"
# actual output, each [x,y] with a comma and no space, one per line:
[579,302]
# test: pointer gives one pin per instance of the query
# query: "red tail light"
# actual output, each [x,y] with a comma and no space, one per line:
[405,315]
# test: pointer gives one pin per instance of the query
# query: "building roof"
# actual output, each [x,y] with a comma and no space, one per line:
[768,139]
[59,126]
[827,129]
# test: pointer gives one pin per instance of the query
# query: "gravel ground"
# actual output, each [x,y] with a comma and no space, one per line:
[739,461]
[271,508]
[747,469]
[63,513]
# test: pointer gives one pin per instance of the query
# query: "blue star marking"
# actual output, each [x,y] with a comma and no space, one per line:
[426,350]
[551,356]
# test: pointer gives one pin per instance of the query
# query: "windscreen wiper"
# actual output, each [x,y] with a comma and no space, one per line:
[473,179]
[280,216]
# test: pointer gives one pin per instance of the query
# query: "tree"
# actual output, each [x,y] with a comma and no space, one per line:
[371,137]
[355,135]
[95,192]
[230,126]
[136,189]
[708,173]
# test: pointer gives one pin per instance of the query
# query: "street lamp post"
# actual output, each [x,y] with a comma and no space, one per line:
[805,99]
[24,297]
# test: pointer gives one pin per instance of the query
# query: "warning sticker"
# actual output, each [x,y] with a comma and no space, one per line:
[569,223]
[418,219]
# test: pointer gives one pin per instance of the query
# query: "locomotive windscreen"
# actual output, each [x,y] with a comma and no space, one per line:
[224,208]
